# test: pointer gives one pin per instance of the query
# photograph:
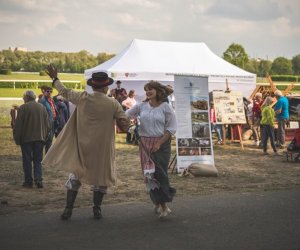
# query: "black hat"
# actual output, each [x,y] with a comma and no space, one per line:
[99,80]
[118,82]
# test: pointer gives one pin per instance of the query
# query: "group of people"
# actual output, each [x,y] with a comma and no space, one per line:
[261,117]
[86,146]
[264,116]
[127,101]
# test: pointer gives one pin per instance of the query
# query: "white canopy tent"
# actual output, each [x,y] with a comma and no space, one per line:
[145,60]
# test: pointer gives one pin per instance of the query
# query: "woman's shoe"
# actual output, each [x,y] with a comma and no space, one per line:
[156,209]
[165,211]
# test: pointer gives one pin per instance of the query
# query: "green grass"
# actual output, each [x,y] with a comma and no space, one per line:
[18,92]
[5,107]
[36,76]
[10,92]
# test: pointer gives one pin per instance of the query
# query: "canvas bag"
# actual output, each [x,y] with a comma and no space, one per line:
[202,170]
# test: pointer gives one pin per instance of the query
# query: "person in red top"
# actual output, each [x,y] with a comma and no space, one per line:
[257,103]
[217,127]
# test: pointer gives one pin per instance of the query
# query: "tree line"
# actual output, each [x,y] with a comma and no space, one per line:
[237,55]
[37,61]
[77,62]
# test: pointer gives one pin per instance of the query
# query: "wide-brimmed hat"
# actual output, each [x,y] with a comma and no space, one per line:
[100,80]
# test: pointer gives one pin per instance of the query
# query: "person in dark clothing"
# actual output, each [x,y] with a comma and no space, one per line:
[30,132]
[50,107]
[63,113]
[120,93]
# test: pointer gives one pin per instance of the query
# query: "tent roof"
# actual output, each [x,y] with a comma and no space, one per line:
[142,58]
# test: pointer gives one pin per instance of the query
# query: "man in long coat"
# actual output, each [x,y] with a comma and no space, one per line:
[86,145]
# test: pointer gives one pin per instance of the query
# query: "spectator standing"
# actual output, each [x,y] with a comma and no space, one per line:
[217,127]
[30,132]
[257,102]
[112,93]
[86,146]
[120,93]
[128,103]
[281,109]
[157,125]
[267,123]
[63,113]
[47,101]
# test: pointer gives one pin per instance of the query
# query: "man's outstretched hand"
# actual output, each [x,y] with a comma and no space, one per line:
[51,71]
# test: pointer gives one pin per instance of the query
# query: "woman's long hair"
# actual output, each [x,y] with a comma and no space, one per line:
[131,93]
[162,91]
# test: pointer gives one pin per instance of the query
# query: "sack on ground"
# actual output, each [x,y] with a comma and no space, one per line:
[197,170]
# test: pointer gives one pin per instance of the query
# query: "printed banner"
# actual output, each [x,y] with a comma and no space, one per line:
[194,141]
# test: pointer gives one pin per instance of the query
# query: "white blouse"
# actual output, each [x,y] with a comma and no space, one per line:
[129,102]
[154,121]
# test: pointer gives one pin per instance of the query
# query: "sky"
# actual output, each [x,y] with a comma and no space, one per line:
[267,29]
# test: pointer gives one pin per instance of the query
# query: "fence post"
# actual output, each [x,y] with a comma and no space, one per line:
[14,85]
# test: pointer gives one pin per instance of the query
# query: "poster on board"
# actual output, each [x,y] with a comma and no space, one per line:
[229,107]
[194,141]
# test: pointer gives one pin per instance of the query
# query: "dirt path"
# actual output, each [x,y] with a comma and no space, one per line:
[239,171]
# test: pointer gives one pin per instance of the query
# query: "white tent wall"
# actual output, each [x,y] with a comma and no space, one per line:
[144,60]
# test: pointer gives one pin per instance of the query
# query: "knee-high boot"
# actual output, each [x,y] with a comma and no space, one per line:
[98,197]
[71,196]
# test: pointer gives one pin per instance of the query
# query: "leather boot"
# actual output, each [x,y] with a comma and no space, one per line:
[98,197]
[71,196]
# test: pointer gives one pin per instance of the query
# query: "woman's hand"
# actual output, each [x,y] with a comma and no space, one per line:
[156,147]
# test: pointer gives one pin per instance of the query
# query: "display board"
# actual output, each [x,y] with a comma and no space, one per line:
[194,141]
[229,107]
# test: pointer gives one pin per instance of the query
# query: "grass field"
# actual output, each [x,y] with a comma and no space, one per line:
[5,107]
[18,93]
[36,76]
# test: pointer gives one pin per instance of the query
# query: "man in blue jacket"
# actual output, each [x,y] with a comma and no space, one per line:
[50,107]
[281,109]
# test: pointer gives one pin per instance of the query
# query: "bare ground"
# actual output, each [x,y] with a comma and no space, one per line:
[240,170]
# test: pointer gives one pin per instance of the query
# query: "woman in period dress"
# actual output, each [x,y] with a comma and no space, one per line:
[157,125]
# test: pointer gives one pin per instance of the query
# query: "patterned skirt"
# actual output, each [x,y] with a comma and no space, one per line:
[156,164]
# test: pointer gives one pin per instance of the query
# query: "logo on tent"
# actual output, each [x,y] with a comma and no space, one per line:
[130,74]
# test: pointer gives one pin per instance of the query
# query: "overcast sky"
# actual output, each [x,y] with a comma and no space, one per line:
[265,28]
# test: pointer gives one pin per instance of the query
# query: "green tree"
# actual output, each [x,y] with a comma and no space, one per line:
[252,66]
[282,66]
[236,55]
[296,64]
[264,68]
[103,57]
